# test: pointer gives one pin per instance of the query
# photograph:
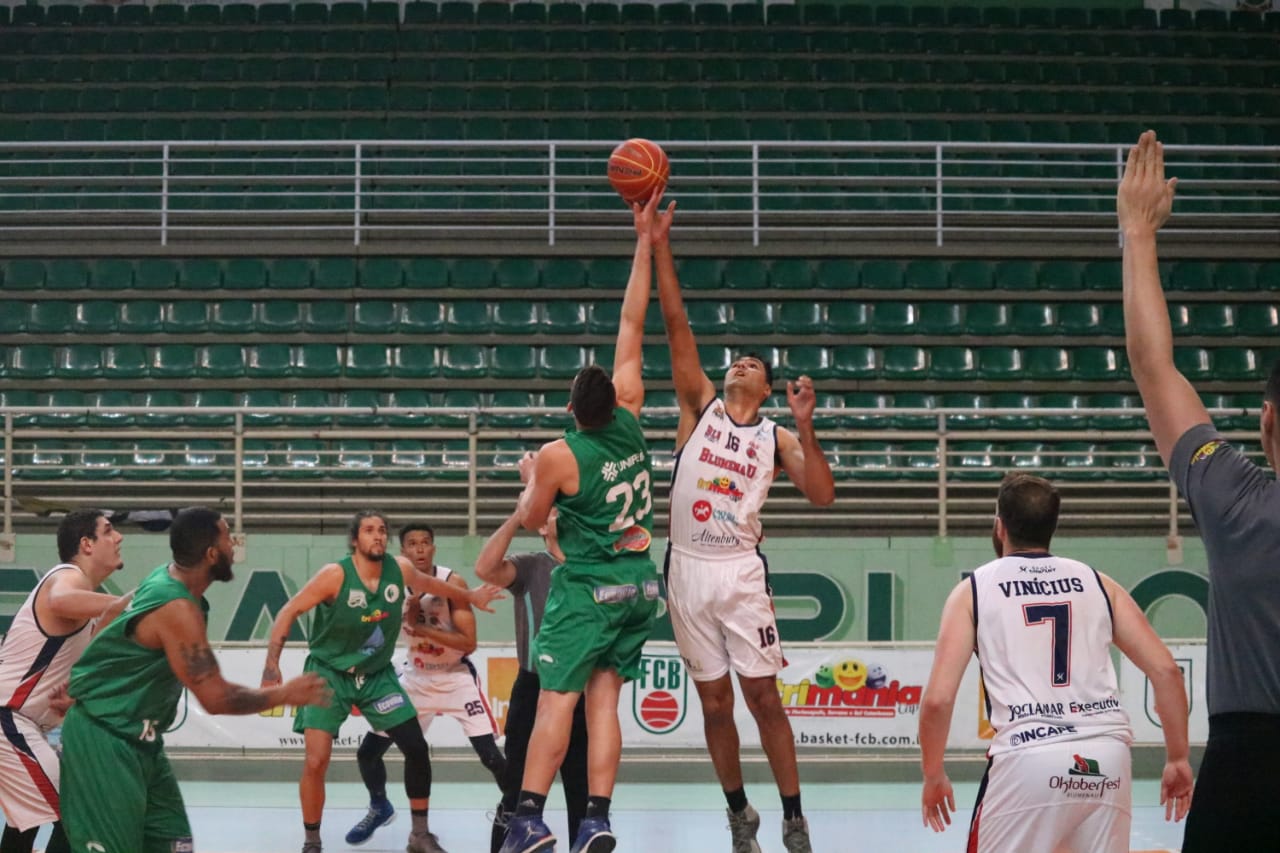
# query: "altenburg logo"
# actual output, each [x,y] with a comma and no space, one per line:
[660,696]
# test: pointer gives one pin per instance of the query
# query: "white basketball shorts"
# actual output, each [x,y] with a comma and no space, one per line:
[1075,795]
[452,693]
[28,773]
[723,616]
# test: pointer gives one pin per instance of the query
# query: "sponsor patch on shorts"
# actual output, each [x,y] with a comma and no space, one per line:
[615,594]
[651,590]
[388,703]
[183,845]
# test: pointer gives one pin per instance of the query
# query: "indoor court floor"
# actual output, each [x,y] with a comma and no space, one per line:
[261,817]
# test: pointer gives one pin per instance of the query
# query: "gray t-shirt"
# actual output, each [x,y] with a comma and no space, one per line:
[1236,506]
[529,593]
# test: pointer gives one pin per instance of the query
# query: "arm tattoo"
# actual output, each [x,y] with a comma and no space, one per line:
[200,662]
[245,700]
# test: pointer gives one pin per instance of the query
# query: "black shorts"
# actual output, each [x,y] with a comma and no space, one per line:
[1233,807]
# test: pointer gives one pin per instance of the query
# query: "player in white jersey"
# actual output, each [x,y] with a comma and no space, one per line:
[1058,773]
[717,580]
[47,636]
[438,676]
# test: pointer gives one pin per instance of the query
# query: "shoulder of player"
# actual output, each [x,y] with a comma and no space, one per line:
[456,579]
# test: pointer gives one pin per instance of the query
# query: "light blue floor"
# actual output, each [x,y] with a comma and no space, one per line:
[247,817]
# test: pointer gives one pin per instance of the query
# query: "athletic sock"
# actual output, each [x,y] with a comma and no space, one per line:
[419,821]
[530,804]
[313,832]
[598,806]
[791,808]
[737,800]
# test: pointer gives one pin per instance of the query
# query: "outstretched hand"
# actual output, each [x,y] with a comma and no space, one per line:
[650,221]
[481,596]
[1145,199]
[937,802]
[802,399]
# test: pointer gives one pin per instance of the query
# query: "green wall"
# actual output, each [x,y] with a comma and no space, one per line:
[849,589]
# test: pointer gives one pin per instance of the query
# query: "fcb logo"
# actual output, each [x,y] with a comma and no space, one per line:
[660,696]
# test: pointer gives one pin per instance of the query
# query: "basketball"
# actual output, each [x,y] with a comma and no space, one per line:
[660,710]
[637,169]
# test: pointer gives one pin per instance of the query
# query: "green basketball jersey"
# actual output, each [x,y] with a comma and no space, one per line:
[357,633]
[128,688]
[611,516]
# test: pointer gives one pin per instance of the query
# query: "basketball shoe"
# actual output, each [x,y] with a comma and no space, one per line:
[743,826]
[528,834]
[379,814]
[594,836]
[795,835]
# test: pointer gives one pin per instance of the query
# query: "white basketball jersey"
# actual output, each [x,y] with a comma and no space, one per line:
[425,656]
[723,474]
[33,664]
[1044,628]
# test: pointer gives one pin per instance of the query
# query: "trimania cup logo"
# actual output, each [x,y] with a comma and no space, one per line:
[660,696]
[849,688]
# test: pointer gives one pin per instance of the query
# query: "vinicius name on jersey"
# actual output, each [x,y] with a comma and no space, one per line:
[1017,589]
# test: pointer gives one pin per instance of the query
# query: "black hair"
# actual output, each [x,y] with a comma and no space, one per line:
[768,366]
[76,525]
[193,532]
[415,525]
[593,397]
[354,532]
[1028,506]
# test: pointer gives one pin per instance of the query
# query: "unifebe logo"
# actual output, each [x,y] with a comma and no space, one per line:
[702,510]
[660,696]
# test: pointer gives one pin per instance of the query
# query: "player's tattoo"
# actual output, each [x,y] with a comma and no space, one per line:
[245,700]
[200,662]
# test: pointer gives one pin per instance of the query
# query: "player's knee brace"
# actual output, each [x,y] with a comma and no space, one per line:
[417,759]
[369,760]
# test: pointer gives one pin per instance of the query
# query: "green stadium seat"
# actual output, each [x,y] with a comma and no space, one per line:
[236,317]
[220,361]
[792,274]
[921,274]
[199,275]
[1034,318]
[468,318]
[518,400]
[47,460]
[269,361]
[334,274]
[312,361]
[852,361]
[878,404]
[367,361]
[464,362]
[707,318]
[24,275]
[895,318]
[905,362]
[324,317]
[67,275]
[564,273]
[124,361]
[13,319]
[380,273]
[1126,403]
[244,274]
[78,361]
[473,273]
[848,318]
[374,318]
[362,400]
[807,360]
[972,408]
[842,274]
[699,274]
[1131,460]
[952,362]
[262,398]
[1234,277]
[1000,363]
[422,317]
[558,361]
[563,317]
[972,275]
[50,318]
[408,457]
[1195,363]
[1238,364]
[1099,364]
[1102,275]
[419,361]
[516,317]
[1047,363]
[990,319]
[1257,318]
[1079,318]
[155,274]
[1212,318]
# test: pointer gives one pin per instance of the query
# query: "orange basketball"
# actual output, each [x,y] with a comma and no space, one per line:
[637,169]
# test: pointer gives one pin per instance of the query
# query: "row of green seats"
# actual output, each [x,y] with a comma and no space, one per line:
[224,45]
[696,273]
[450,128]
[612,70]
[861,410]
[794,102]
[761,318]
[897,362]
[489,12]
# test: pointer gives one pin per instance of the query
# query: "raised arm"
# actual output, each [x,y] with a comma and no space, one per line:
[801,455]
[693,389]
[1133,636]
[956,638]
[179,628]
[492,566]
[1144,203]
[628,380]
[323,587]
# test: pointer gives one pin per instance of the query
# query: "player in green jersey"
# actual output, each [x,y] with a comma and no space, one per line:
[119,794]
[358,603]
[603,600]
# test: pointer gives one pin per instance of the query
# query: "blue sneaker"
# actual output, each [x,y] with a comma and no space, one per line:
[378,815]
[594,836]
[528,834]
